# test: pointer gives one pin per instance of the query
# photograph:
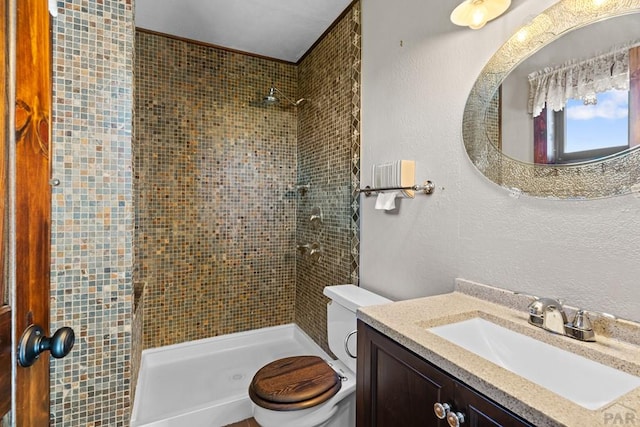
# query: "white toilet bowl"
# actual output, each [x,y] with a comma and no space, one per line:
[338,411]
[302,392]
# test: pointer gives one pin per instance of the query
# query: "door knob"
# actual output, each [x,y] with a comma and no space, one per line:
[33,342]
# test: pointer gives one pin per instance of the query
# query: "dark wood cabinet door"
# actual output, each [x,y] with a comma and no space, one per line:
[394,386]
[482,412]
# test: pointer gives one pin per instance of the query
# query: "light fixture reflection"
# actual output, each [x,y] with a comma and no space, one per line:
[522,34]
[476,13]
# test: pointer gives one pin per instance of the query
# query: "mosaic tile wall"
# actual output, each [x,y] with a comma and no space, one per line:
[328,160]
[92,214]
[214,188]
[92,208]
[137,338]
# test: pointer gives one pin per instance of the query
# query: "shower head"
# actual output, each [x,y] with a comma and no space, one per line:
[271,98]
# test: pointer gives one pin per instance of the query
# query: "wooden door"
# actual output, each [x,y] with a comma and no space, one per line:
[29,252]
[5,309]
[33,199]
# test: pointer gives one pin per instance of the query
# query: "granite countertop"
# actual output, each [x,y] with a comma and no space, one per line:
[617,345]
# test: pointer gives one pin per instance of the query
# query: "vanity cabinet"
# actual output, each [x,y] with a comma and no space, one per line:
[396,387]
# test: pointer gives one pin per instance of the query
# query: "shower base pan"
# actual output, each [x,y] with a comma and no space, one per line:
[204,383]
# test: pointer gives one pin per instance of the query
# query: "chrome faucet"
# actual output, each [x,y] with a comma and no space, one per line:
[549,314]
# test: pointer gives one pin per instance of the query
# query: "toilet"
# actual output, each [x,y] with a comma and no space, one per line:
[307,391]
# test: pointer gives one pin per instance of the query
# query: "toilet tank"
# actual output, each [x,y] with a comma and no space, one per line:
[341,318]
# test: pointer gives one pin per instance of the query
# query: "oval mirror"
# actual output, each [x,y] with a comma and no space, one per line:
[584,149]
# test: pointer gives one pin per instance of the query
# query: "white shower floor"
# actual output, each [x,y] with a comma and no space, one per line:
[204,383]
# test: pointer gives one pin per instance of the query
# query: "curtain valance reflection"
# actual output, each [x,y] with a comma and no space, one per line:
[553,86]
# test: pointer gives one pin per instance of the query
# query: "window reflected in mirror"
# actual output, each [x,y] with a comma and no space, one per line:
[570,102]
[585,129]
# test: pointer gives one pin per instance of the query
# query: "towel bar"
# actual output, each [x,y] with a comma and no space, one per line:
[427,188]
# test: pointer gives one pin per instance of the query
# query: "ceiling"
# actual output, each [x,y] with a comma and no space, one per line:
[279,29]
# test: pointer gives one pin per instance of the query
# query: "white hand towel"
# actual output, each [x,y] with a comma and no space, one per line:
[386,201]
[400,173]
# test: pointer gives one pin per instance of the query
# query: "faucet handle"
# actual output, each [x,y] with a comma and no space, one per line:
[581,328]
[536,307]
[536,312]
[581,320]
[600,314]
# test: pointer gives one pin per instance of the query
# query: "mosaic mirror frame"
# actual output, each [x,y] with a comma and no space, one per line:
[611,176]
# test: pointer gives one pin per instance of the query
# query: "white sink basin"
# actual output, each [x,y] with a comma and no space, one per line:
[578,379]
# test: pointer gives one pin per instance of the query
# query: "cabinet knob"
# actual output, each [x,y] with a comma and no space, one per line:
[454,419]
[441,410]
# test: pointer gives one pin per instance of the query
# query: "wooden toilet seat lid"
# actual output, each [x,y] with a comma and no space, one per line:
[294,383]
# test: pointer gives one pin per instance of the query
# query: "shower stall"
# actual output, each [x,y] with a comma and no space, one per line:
[232,156]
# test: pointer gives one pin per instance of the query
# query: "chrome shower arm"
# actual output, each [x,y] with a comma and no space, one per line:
[274,89]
